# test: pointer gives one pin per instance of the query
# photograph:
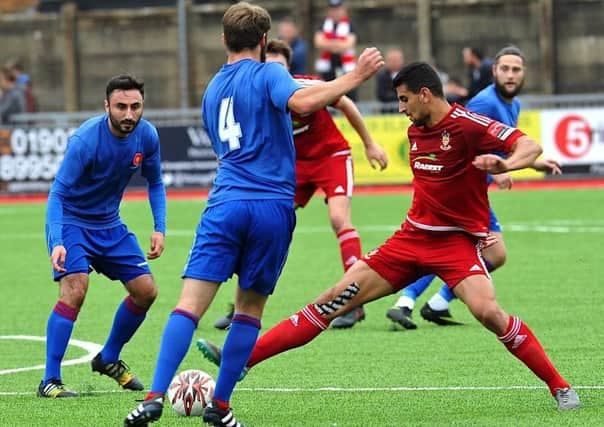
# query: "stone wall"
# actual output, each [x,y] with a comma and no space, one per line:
[93,45]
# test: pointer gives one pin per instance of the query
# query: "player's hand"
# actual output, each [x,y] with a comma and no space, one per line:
[548,165]
[369,63]
[157,245]
[490,163]
[57,258]
[488,241]
[503,181]
[376,156]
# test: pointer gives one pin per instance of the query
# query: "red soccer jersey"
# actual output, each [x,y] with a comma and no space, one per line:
[449,193]
[316,135]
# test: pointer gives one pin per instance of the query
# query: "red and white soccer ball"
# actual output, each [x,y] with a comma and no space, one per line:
[190,391]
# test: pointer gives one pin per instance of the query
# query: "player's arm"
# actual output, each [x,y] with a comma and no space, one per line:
[310,99]
[54,225]
[523,154]
[157,197]
[71,169]
[373,151]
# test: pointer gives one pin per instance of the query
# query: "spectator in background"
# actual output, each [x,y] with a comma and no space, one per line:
[455,90]
[24,83]
[385,93]
[479,68]
[12,99]
[288,32]
[336,41]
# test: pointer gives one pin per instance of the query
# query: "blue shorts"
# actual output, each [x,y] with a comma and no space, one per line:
[114,252]
[493,222]
[247,237]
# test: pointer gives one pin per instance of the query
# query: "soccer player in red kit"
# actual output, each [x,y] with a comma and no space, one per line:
[443,233]
[324,161]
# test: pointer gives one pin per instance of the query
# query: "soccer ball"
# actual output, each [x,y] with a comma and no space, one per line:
[190,391]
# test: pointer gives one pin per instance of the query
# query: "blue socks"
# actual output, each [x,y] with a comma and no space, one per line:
[128,318]
[236,351]
[58,331]
[173,348]
[418,287]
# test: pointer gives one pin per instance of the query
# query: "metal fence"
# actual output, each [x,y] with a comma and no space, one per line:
[192,116]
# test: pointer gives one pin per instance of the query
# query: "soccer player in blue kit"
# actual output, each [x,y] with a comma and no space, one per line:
[497,101]
[247,225]
[84,230]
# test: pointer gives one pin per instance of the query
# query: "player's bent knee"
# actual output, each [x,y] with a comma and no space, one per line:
[491,316]
[143,290]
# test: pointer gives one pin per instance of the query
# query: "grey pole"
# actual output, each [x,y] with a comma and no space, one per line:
[183,54]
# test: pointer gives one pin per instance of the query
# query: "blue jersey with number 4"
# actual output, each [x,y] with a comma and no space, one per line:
[245,113]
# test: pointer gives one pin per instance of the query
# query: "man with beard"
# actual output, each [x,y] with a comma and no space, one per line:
[497,101]
[249,219]
[84,230]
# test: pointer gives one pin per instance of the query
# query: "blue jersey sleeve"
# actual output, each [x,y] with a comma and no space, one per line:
[280,85]
[73,166]
[151,170]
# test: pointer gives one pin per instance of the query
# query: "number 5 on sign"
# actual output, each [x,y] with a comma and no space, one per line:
[228,129]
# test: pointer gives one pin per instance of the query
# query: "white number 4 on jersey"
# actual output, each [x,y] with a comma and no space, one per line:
[228,129]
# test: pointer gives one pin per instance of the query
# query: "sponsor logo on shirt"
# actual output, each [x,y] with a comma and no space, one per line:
[419,165]
[445,140]
[414,146]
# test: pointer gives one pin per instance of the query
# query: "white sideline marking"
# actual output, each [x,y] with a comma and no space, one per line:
[90,347]
[347,389]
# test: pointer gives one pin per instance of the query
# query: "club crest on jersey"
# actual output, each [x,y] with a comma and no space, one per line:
[136,160]
[444,141]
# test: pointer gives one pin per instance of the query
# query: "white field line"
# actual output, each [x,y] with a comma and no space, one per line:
[561,226]
[345,389]
[90,347]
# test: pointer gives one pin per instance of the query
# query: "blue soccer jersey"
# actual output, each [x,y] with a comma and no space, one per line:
[245,113]
[95,171]
[491,104]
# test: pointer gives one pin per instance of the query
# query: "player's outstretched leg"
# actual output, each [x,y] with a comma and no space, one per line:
[479,295]
[522,343]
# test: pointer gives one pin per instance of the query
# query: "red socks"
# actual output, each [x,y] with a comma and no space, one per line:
[350,247]
[521,342]
[294,332]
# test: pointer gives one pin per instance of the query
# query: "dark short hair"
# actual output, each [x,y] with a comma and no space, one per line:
[509,50]
[279,47]
[418,75]
[476,51]
[243,25]
[124,82]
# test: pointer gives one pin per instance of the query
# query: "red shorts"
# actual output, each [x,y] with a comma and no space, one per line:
[333,175]
[411,253]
